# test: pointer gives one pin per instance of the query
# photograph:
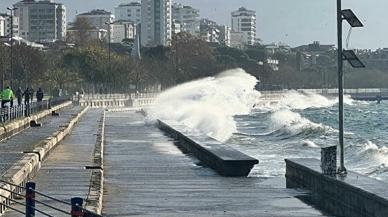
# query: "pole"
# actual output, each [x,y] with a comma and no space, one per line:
[76,204]
[30,199]
[11,40]
[341,169]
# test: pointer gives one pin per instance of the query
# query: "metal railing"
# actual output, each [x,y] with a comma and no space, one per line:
[114,96]
[12,113]
[75,207]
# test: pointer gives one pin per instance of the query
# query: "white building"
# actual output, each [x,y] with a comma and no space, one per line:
[210,31]
[188,17]
[2,26]
[123,30]
[244,21]
[237,40]
[156,26]
[5,25]
[98,18]
[129,12]
[43,21]
[176,27]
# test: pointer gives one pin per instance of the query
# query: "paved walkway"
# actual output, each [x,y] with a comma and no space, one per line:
[146,175]
[63,174]
[11,150]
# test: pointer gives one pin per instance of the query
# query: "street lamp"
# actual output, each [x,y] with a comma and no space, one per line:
[351,57]
[11,42]
[109,45]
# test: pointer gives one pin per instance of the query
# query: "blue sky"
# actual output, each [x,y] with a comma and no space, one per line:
[294,22]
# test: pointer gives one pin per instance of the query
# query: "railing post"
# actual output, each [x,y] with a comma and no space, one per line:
[30,199]
[76,204]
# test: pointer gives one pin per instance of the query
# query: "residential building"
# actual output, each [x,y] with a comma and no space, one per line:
[244,21]
[123,30]
[98,18]
[237,40]
[129,12]
[176,27]
[5,25]
[210,31]
[42,21]
[156,27]
[188,17]
[224,37]
[313,54]
[2,26]
[90,34]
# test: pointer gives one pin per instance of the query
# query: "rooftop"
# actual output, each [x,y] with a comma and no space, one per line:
[97,12]
[130,4]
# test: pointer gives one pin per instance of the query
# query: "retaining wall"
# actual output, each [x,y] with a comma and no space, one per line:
[353,195]
[218,156]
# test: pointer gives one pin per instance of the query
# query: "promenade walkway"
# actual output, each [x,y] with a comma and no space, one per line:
[63,174]
[11,149]
[146,175]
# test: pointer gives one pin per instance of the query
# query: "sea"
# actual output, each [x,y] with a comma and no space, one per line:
[294,124]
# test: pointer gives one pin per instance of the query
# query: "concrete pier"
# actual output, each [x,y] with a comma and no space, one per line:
[63,174]
[353,195]
[147,175]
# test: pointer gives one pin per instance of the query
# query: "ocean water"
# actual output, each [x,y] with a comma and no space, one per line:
[228,108]
[297,127]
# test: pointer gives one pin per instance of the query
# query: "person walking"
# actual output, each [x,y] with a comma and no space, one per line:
[32,94]
[39,95]
[7,97]
[19,96]
[27,96]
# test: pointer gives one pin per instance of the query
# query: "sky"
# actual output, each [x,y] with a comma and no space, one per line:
[294,22]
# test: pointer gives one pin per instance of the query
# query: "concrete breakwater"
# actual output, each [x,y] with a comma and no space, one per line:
[352,195]
[220,157]
[30,163]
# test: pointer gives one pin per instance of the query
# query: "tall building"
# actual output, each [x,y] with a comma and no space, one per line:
[224,37]
[5,25]
[156,26]
[244,21]
[129,12]
[188,17]
[209,31]
[43,21]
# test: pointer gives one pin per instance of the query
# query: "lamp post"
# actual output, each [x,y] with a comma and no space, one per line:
[350,56]
[11,42]
[109,45]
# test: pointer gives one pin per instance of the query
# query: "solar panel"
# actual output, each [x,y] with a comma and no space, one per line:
[349,16]
[352,58]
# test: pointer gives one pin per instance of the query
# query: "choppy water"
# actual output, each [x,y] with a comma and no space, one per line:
[297,127]
[228,108]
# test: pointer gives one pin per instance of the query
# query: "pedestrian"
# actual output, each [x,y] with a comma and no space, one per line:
[39,95]
[27,96]
[19,96]
[7,97]
[32,94]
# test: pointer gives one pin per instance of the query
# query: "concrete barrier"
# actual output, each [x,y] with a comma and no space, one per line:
[353,195]
[218,156]
[96,190]
[26,168]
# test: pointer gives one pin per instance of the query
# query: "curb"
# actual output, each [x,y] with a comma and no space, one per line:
[29,165]
[96,188]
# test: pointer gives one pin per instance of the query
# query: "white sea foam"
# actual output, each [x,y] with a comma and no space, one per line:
[295,100]
[209,104]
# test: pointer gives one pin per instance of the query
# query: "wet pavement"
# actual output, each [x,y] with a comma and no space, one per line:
[147,175]
[63,174]
[11,150]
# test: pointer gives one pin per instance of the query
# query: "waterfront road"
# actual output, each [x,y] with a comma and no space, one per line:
[63,174]
[146,175]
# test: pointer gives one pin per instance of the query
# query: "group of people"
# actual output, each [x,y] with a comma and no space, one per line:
[7,96]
